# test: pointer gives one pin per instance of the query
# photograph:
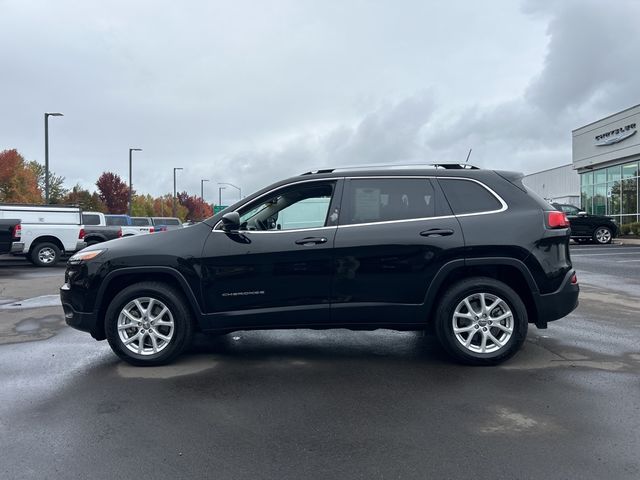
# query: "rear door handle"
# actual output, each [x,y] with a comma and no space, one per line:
[437,232]
[311,241]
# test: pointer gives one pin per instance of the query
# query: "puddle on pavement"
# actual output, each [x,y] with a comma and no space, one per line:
[31,329]
[508,421]
[183,366]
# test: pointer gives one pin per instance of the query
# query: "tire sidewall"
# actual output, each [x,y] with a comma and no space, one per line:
[461,290]
[181,316]
[36,250]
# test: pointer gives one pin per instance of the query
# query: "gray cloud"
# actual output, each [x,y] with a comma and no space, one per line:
[248,92]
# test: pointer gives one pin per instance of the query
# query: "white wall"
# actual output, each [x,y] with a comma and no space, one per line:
[560,184]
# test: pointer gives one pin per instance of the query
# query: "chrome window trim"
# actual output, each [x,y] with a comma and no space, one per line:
[503,204]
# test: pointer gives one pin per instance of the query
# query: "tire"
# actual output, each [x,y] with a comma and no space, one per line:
[602,235]
[151,353]
[509,336]
[45,254]
[92,242]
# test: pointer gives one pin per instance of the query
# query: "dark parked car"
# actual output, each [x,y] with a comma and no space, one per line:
[470,253]
[98,234]
[586,227]
[10,232]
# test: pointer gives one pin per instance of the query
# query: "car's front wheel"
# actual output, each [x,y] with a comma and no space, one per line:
[148,324]
[602,235]
[481,321]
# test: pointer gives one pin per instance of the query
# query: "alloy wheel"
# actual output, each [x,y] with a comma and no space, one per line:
[603,235]
[46,255]
[145,326]
[483,323]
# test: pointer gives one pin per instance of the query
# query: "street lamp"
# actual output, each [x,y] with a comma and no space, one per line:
[220,195]
[232,185]
[174,189]
[130,176]
[46,153]
[202,187]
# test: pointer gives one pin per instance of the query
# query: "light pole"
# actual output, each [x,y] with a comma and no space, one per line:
[130,176]
[232,185]
[174,189]
[202,188]
[46,153]
[220,195]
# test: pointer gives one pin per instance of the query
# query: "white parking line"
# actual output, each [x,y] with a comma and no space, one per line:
[627,261]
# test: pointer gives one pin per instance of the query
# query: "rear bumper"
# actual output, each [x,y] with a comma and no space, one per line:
[558,304]
[17,247]
[83,321]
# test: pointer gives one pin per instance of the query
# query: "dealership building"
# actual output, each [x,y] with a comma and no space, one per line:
[606,155]
[603,176]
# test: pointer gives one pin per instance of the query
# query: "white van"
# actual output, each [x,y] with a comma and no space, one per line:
[48,231]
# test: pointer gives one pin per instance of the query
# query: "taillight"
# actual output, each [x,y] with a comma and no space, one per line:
[120,232]
[81,234]
[17,231]
[574,279]
[151,229]
[557,219]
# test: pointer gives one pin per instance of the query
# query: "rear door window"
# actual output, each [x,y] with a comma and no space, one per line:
[467,196]
[116,221]
[388,199]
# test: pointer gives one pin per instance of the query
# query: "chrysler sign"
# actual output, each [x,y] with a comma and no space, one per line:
[615,135]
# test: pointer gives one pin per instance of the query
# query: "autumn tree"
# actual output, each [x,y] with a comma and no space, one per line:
[197,208]
[18,183]
[163,207]
[85,199]
[57,192]
[113,192]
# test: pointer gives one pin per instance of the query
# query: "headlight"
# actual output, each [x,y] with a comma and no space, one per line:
[86,256]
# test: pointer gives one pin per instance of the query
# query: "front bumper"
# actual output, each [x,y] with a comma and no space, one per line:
[558,304]
[84,321]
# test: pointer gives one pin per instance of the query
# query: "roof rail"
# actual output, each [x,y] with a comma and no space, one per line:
[444,166]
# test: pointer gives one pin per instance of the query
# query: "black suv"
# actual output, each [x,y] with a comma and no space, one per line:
[586,227]
[470,253]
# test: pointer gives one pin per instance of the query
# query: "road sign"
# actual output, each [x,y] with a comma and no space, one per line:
[219,208]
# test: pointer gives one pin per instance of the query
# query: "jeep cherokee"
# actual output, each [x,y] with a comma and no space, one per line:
[467,252]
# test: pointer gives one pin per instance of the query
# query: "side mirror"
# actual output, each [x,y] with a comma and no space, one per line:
[231,222]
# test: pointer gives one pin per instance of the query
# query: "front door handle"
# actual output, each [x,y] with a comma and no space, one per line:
[437,232]
[311,241]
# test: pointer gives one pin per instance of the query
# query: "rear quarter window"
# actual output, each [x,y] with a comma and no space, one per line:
[90,219]
[466,196]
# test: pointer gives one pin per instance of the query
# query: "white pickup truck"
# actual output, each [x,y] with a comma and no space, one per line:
[129,227]
[48,231]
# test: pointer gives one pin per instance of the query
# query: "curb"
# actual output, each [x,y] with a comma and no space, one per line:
[629,241]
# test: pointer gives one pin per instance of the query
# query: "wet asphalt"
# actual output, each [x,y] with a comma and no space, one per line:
[325,404]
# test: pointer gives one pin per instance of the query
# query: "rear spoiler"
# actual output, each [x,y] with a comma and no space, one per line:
[514,178]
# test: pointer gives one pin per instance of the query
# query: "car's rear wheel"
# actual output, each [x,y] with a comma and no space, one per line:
[602,235]
[148,323]
[481,321]
[45,254]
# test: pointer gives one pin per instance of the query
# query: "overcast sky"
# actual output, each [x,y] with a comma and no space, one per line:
[249,92]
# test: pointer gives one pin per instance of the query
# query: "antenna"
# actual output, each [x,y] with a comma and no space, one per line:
[468,155]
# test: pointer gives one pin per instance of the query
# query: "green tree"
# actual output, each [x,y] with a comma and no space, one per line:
[84,198]
[57,192]
[142,206]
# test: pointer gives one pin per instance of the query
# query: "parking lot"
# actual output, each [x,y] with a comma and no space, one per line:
[325,404]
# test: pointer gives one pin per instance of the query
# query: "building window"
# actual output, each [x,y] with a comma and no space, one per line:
[612,191]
